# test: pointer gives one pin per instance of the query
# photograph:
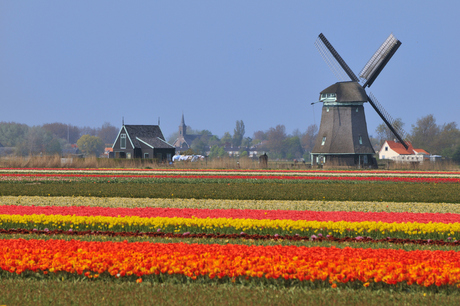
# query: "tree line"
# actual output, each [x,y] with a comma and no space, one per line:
[436,139]
[54,138]
[426,134]
[275,141]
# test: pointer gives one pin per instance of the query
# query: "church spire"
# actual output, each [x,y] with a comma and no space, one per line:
[182,127]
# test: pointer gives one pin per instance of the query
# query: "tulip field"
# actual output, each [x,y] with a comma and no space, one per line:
[265,236]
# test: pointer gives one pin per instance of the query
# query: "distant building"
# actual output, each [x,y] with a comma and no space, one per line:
[71,150]
[184,140]
[142,141]
[107,152]
[395,151]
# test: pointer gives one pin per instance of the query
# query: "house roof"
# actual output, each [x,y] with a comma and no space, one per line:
[347,92]
[148,134]
[400,149]
[421,151]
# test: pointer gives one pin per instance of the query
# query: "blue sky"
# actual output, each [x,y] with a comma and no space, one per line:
[89,62]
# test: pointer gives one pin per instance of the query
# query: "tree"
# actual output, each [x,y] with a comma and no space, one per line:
[456,155]
[246,143]
[35,140]
[63,131]
[226,139]
[12,134]
[259,136]
[53,147]
[275,140]
[213,141]
[91,145]
[238,133]
[172,138]
[107,133]
[292,148]
[448,139]
[384,133]
[308,139]
[424,134]
[86,130]
[199,146]
[217,151]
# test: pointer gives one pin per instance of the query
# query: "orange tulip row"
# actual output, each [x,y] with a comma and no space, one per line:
[144,259]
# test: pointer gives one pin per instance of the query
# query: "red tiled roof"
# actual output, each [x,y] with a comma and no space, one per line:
[399,148]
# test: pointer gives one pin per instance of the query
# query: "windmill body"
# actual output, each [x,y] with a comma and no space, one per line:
[342,138]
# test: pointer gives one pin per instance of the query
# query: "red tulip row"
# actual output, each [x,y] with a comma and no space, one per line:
[246,177]
[302,264]
[151,212]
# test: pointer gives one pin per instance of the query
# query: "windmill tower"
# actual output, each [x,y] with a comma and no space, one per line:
[342,137]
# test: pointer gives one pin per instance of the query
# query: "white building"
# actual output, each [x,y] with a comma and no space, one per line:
[395,151]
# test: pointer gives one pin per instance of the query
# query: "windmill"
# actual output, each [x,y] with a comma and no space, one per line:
[342,137]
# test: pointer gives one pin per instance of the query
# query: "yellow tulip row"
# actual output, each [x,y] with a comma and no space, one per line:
[226,225]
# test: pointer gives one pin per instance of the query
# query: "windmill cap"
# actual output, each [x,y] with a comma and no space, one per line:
[347,92]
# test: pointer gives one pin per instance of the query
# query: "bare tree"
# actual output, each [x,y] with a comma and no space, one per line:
[107,133]
[384,133]
[308,139]
[275,139]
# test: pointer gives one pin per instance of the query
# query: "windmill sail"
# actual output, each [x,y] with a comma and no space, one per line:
[378,61]
[399,133]
[338,66]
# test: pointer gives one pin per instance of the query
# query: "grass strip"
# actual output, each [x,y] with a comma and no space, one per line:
[450,243]
[68,292]
[243,241]
[326,191]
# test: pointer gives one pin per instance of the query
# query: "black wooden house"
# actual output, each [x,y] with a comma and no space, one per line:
[142,141]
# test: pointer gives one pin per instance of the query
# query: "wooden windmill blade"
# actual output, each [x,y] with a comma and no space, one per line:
[378,61]
[333,59]
[389,121]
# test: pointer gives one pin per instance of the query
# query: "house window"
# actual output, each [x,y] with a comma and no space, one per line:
[123,141]
[360,140]
[146,155]
[356,109]
[324,141]
[386,148]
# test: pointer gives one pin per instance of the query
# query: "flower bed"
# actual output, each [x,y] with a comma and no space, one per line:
[230,221]
[235,236]
[325,266]
[364,206]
